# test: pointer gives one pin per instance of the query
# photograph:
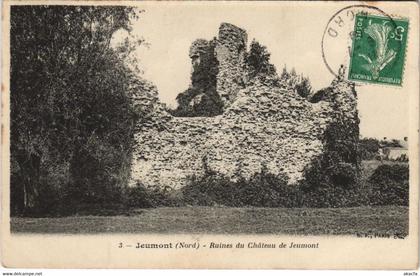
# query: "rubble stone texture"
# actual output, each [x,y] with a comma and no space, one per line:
[262,125]
[230,52]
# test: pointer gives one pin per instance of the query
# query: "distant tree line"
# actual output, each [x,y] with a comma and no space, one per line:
[369,148]
[72,110]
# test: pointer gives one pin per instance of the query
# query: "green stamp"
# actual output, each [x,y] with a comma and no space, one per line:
[378,51]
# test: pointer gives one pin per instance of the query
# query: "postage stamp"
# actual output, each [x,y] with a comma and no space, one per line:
[378,52]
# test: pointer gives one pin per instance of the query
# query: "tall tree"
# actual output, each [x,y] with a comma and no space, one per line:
[71,101]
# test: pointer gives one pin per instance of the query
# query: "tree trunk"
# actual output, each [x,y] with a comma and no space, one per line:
[29,181]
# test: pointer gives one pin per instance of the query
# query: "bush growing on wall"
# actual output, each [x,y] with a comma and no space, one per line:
[333,179]
[304,88]
[258,61]
[201,99]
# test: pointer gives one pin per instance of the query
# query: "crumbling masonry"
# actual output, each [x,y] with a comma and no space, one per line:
[262,125]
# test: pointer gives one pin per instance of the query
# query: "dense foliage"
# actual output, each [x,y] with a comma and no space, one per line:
[333,180]
[369,148]
[198,102]
[390,143]
[389,185]
[263,190]
[139,196]
[300,84]
[257,62]
[72,113]
[201,99]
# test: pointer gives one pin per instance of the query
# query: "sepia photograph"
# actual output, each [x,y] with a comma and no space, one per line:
[244,120]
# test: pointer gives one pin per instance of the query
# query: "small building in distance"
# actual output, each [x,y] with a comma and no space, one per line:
[396,150]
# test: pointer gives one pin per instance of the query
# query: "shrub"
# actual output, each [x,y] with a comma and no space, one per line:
[201,99]
[270,190]
[262,190]
[334,186]
[369,148]
[304,88]
[258,61]
[141,196]
[195,102]
[389,185]
[209,190]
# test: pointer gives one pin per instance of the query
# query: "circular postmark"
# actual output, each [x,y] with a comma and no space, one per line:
[343,29]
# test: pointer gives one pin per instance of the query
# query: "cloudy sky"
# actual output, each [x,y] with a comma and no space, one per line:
[292,33]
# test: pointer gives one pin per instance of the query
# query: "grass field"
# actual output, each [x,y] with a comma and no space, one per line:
[387,220]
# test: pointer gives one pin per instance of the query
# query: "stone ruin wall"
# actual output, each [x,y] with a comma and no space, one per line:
[230,53]
[261,126]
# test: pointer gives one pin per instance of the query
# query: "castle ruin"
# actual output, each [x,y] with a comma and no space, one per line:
[260,125]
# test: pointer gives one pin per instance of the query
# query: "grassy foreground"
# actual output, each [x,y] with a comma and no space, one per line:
[391,220]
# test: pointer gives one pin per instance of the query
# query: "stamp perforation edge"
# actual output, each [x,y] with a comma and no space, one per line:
[393,17]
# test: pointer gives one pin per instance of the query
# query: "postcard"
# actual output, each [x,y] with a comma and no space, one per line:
[210,134]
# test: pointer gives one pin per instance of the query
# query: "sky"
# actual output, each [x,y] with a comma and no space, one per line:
[292,33]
